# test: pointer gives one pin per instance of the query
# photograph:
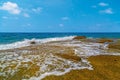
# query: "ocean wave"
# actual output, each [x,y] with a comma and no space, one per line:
[26,42]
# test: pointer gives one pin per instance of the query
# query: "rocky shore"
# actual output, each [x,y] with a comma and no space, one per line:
[79,58]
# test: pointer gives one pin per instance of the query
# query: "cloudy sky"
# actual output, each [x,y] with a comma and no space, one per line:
[59,16]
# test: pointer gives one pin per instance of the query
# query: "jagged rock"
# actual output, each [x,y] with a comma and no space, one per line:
[79,37]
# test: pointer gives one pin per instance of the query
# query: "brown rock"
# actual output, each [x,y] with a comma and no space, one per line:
[79,37]
[69,57]
[104,40]
[114,46]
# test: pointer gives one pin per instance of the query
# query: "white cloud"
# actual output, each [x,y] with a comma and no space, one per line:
[65,18]
[26,15]
[61,25]
[98,25]
[94,6]
[5,17]
[10,7]
[28,24]
[39,9]
[107,11]
[103,4]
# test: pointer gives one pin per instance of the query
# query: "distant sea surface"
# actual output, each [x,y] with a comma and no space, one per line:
[6,38]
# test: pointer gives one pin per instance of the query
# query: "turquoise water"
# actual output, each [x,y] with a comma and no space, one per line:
[6,38]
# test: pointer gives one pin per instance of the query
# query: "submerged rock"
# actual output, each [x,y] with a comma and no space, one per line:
[79,37]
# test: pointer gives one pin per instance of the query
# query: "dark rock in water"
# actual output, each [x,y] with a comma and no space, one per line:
[79,37]
[104,40]
[32,42]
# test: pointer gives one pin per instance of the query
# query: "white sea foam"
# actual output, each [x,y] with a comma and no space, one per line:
[56,71]
[87,49]
[26,42]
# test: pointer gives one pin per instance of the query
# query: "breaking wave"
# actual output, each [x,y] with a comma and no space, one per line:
[26,42]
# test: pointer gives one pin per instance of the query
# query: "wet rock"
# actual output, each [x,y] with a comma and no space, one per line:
[70,57]
[32,42]
[114,46]
[79,37]
[104,40]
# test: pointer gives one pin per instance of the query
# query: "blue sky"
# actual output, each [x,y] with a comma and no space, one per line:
[59,15]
